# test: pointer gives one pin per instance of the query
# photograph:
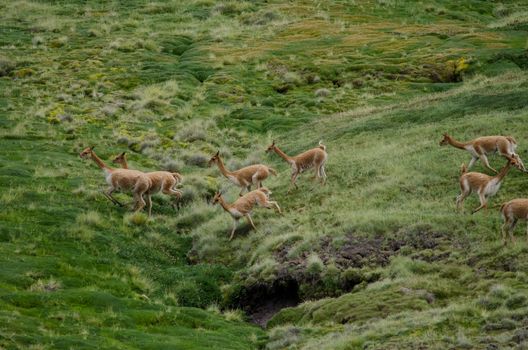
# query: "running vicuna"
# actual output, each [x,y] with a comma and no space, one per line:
[244,205]
[163,181]
[480,147]
[313,158]
[484,185]
[122,179]
[511,212]
[245,177]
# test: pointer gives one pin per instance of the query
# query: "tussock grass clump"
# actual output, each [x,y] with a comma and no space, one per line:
[322,92]
[90,218]
[518,19]
[172,165]
[37,40]
[233,315]
[194,131]
[197,159]
[136,219]
[46,285]
[314,264]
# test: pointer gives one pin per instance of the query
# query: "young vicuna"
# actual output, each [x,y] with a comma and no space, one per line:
[313,158]
[484,185]
[480,147]
[511,212]
[163,181]
[245,177]
[122,179]
[244,205]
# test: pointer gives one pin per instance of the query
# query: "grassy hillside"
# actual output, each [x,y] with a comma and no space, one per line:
[378,258]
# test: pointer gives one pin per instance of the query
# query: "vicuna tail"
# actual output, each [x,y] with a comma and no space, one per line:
[271,170]
[177,177]
[502,210]
[321,146]
[511,139]
[463,169]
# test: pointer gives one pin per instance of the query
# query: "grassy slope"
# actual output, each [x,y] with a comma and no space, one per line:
[175,81]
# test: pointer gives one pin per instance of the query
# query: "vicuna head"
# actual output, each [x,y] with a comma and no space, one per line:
[515,162]
[86,153]
[445,140]
[265,190]
[120,159]
[214,159]
[217,197]
[271,147]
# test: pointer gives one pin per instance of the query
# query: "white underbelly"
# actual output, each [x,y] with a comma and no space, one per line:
[235,213]
[471,150]
[234,180]
[493,187]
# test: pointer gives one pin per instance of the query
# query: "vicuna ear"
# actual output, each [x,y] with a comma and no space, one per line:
[123,154]
[217,153]
[91,148]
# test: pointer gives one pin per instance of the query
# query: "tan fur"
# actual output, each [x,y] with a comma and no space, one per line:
[484,185]
[313,158]
[244,205]
[511,212]
[122,179]
[245,177]
[163,181]
[481,147]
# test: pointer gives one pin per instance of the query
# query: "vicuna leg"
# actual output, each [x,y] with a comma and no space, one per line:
[511,228]
[273,204]
[168,189]
[503,230]
[108,194]
[242,191]
[465,191]
[486,163]
[293,179]
[139,201]
[149,203]
[234,228]
[251,221]
[472,162]
[322,174]
[483,202]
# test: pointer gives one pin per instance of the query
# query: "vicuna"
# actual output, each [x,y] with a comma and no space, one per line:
[511,212]
[163,181]
[122,179]
[484,185]
[480,147]
[244,205]
[313,158]
[245,177]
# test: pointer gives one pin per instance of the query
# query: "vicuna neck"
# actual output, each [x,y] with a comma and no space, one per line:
[222,168]
[455,143]
[282,154]
[503,172]
[124,163]
[223,204]
[98,161]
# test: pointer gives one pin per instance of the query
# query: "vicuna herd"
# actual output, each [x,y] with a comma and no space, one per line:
[486,186]
[144,185]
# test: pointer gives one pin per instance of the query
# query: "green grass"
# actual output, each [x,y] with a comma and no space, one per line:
[379,256]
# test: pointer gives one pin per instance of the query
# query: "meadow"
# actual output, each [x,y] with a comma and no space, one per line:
[378,258]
